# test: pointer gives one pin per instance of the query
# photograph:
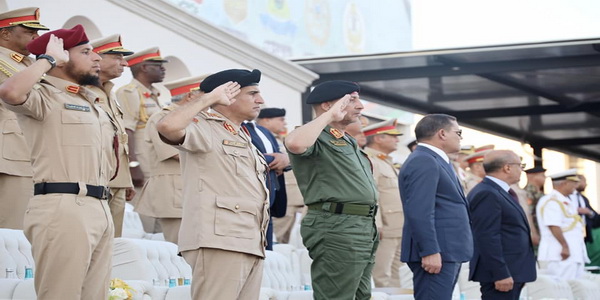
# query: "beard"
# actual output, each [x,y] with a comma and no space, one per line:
[82,78]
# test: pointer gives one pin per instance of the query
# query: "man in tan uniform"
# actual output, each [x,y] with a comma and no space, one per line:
[225,198]
[476,172]
[139,100]
[17,28]
[112,65]
[161,197]
[68,220]
[382,139]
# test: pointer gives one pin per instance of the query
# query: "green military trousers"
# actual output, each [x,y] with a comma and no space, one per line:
[342,248]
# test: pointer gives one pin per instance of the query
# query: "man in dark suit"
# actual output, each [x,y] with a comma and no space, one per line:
[503,258]
[592,219]
[437,234]
[267,144]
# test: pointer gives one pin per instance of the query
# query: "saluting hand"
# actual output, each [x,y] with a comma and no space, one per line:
[55,48]
[225,93]
[337,110]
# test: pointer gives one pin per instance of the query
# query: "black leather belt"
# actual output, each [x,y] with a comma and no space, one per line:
[96,191]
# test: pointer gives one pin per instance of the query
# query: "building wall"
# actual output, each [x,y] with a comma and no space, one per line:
[195,47]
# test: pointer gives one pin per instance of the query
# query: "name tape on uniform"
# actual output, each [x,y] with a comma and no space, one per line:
[77,107]
[338,143]
[235,144]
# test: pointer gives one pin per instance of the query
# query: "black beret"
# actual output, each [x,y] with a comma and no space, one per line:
[331,90]
[243,77]
[271,112]
[535,170]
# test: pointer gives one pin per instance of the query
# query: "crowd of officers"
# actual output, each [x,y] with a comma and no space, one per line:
[200,169]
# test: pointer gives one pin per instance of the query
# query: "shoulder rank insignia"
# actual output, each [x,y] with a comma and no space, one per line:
[338,143]
[16,57]
[235,144]
[77,107]
[72,89]
[195,120]
[230,128]
[336,133]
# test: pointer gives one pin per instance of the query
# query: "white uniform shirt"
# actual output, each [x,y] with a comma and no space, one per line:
[550,213]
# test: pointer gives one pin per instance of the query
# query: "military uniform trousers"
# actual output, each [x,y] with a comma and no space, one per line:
[72,242]
[222,274]
[170,228]
[342,248]
[16,192]
[386,272]
[117,208]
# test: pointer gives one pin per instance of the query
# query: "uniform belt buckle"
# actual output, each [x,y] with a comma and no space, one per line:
[373,210]
[105,192]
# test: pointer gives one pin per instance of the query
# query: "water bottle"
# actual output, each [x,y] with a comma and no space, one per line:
[180,281]
[28,272]
[10,273]
[187,281]
[172,282]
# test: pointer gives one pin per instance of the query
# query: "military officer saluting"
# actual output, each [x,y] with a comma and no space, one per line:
[68,221]
[112,65]
[382,139]
[337,183]
[225,197]
[17,28]
[162,195]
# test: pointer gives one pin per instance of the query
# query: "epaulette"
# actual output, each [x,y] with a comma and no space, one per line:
[212,116]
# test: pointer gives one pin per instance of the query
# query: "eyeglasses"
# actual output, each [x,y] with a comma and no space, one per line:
[523,166]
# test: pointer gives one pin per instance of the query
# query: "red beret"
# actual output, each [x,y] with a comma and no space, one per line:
[71,38]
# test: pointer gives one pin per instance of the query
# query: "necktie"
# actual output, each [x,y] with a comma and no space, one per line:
[513,195]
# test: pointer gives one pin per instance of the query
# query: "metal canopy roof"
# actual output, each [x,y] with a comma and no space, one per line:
[545,94]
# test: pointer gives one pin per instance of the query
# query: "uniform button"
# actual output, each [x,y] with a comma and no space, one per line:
[237,207]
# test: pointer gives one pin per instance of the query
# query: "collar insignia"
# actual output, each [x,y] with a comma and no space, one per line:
[72,89]
[336,133]
[230,128]
[16,57]
[147,95]
[382,156]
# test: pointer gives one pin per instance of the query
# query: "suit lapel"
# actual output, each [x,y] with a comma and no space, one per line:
[256,140]
[508,198]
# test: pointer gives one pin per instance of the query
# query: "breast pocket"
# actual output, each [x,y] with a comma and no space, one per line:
[77,128]
[236,217]
[14,146]
[240,158]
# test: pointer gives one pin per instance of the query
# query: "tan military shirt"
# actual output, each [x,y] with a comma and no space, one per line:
[69,134]
[162,194]
[225,197]
[390,218]
[14,158]
[471,180]
[108,101]
[139,103]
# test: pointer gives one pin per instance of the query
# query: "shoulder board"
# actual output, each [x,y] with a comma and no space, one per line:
[212,116]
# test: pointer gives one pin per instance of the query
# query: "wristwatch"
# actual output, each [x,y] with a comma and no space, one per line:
[49,58]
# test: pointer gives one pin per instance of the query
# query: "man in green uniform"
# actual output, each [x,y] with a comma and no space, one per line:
[336,180]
